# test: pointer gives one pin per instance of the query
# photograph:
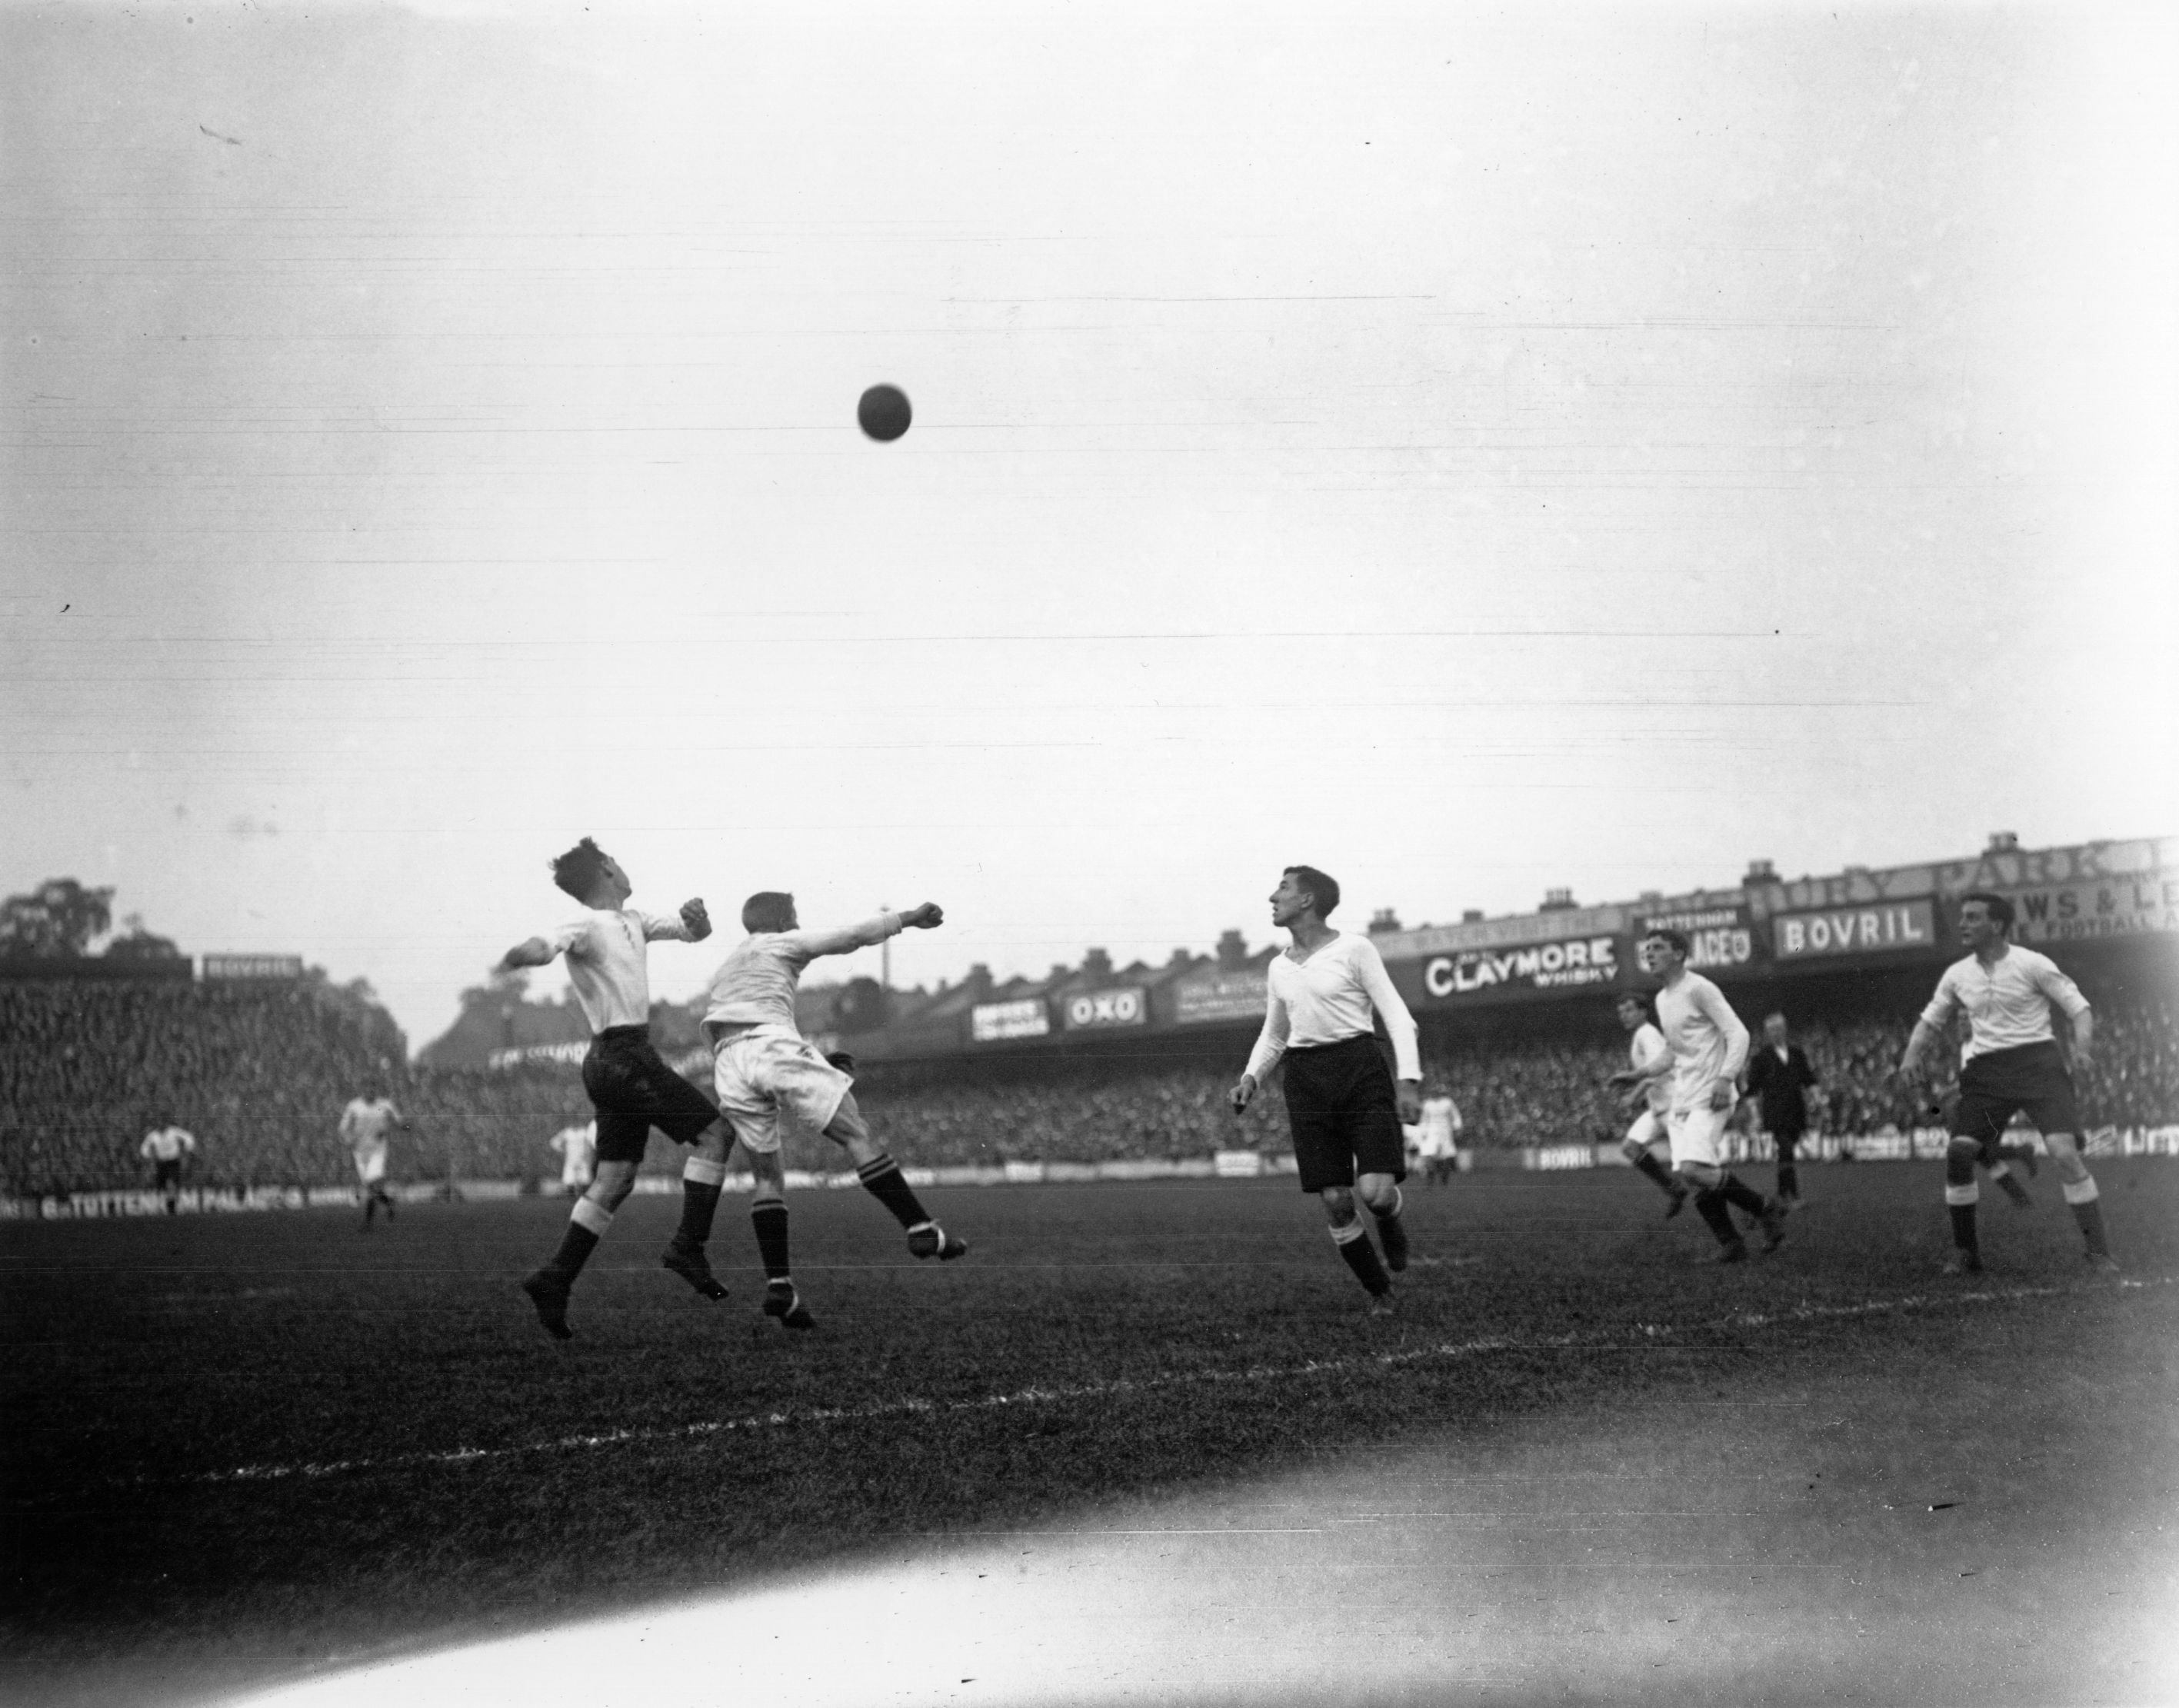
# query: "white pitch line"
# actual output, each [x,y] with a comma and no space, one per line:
[1105,1390]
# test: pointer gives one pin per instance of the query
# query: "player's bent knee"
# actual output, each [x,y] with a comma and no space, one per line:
[1338,1204]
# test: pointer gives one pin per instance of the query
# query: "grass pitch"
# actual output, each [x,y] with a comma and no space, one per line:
[240,1446]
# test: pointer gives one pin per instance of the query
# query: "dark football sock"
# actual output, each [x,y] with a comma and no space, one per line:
[1741,1196]
[1656,1171]
[1963,1227]
[1709,1205]
[770,1221]
[882,1180]
[576,1244]
[1361,1257]
[699,1203]
[2089,1214]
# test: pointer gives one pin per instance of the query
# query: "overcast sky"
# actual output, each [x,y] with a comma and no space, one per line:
[1473,451]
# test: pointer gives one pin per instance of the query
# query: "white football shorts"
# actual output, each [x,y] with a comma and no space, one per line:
[761,1076]
[371,1165]
[1648,1129]
[1699,1136]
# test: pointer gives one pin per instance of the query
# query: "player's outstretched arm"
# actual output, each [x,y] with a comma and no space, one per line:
[534,951]
[924,918]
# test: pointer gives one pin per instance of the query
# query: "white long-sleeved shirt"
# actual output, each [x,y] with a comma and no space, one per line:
[1643,1054]
[364,1122]
[2008,1004]
[1327,999]
[167,1144]
[755,985]
[606,963]
[1707,1041]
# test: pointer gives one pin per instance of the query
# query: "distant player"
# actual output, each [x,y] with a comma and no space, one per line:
[1344,1109]
[1779,1081]
[577,1144]
[166,1145]
[764,1069]
[1709,1046]
[2011,1062]
[631,1088]
[1647,1082]
[364,1125]
[1437,1134]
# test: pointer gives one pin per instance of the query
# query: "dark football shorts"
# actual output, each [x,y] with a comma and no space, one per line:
[1993,1086]
[1339,1103]
[633,1090]
[166,1174]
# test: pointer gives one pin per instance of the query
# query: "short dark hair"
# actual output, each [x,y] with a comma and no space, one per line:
[768,910]
[1322,887]
[1638,999]
[2001,908]
[1663,933]
[579,870]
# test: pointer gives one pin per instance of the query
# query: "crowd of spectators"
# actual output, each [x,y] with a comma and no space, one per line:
[260,1073]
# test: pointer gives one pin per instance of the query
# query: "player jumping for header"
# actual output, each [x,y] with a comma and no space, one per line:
[2009,1062]
[1709,1046]
[1344,1109]
[762,1065]
[631,1088]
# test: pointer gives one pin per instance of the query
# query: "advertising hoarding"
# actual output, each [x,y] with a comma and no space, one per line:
[1719,939]
[253,966]
[2071,912]
[994,1022]
[1837,932]
[1089,1010]
[1222,996]
[1571,963]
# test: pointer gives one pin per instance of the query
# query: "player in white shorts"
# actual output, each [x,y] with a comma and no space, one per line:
[764,1070]
[1645,1080]
[1709,1046]
[363,1124]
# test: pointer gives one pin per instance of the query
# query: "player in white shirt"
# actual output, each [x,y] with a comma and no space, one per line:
[364,1124]
[2011,1062]
[631,1088]
[764,1069]
[1643,1080]
[1343,1107]
[1436,1138]
[1708,1047]
[577,1144]
[166,1145]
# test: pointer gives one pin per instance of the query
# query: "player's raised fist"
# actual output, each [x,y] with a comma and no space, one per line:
[696,919]
[923,917]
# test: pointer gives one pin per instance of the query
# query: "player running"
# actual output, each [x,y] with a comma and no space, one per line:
[1344,1109]
[1646,1081]
[364,1124]
[631,1088]
[2009,1062]
[763,1067]
[1709,1046]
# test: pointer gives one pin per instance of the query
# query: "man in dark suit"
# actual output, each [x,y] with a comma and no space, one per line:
[1779,1078]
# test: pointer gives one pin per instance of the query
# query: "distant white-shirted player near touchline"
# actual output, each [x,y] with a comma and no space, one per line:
[165,1146]
[763,1067]
[577,1144]
[1646,1080]
[631,1088]
[2009,1062]
[1709,1046]
[1344,1109]
[364,1125]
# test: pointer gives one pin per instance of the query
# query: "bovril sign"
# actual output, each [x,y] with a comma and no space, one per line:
[1089,1009]
[1568,964]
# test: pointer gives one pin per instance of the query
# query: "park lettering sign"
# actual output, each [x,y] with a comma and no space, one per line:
[2123,907]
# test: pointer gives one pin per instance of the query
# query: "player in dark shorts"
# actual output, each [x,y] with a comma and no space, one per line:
[631,1087]
[1342,1102]
[2010,1063]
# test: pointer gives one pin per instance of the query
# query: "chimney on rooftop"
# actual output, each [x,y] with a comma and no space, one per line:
[1382,921]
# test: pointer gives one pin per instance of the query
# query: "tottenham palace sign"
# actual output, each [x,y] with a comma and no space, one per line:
[1717,937]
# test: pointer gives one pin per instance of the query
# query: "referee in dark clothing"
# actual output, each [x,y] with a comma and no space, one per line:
[1779,1079]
